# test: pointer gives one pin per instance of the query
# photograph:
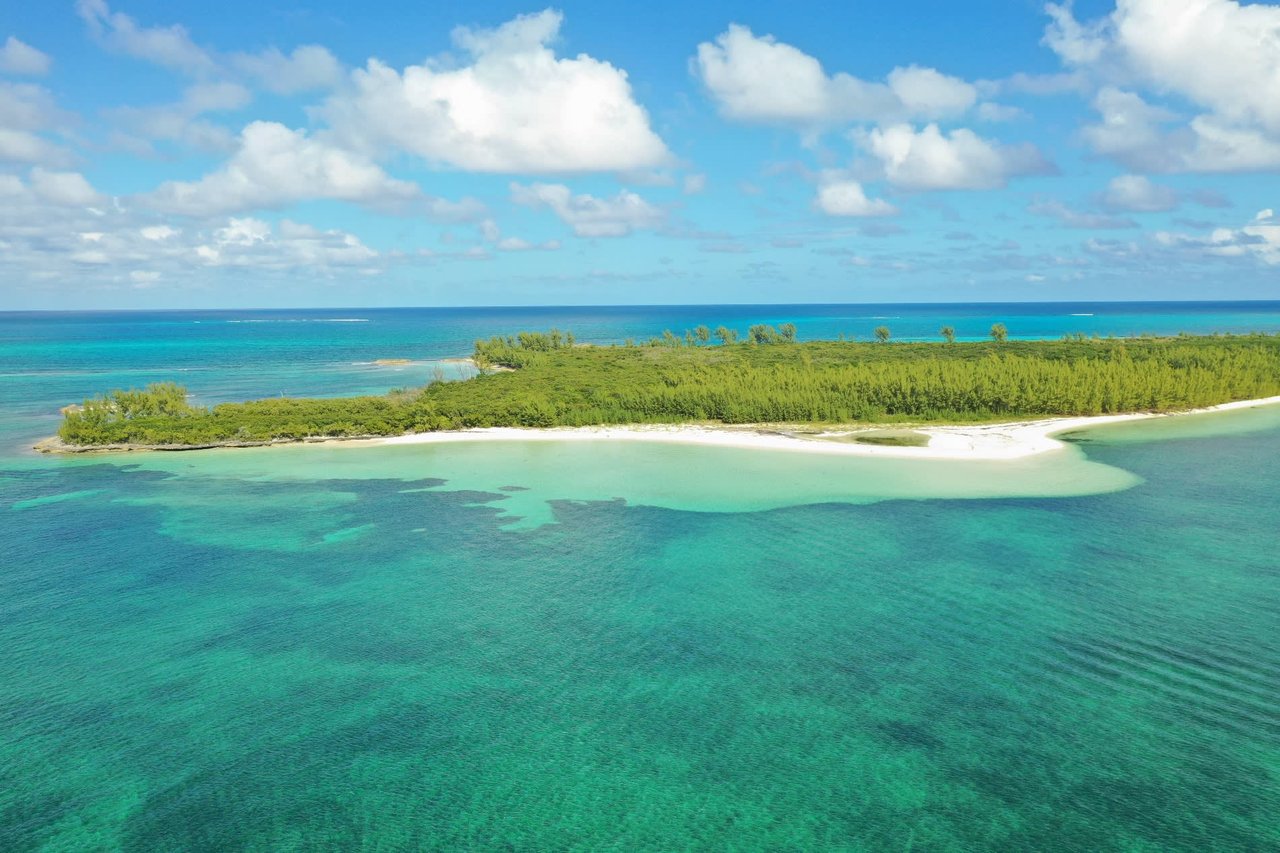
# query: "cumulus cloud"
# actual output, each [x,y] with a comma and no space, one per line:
[1218,55]
[588,215]
[758,78]
[1137,194]
[847,198]
[1130,130]
[18,57]
[1139,136]
[275,166]
[929,159]
[1258,240]
[513,107]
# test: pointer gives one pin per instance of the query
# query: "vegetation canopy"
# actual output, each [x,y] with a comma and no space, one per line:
[546,379]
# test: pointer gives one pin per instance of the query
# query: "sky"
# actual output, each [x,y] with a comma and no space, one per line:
[299,153]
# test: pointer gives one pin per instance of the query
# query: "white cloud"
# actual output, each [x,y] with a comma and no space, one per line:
[69,189]
[275,166]
[27,112]
[157,233]
[49,233]
[1219,55]
[251,242]
[516,107]
[1138,194]
[308,68]
[589,216]
[19,146]
[170,46]
[1131,130]
[1221,146]
[928,93]
[29,108]
[1259,240]
[847,198]
[516,244]
[18,57]
[48,189]
[928,159]
[758,78]
[1138,135]
[1076,43]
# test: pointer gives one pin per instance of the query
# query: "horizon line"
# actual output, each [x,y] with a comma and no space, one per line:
[640,305]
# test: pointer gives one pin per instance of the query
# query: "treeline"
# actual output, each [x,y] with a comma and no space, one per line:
[559,384]
[516,351]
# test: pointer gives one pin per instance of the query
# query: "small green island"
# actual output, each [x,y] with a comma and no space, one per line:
[541,380]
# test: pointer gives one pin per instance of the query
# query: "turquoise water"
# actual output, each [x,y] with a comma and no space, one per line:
[553,646]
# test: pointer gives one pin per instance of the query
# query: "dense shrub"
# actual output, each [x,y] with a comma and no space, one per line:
[556,383]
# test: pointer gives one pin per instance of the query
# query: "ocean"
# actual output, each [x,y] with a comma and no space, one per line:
[544,646]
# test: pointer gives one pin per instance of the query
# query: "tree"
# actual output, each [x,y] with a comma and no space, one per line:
[948,334]
[883,334]
[999,333]
[762,334]
[726,335]
[788,332]
[703,333]
[669,338]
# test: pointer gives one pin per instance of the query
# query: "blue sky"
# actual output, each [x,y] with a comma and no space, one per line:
[304,154]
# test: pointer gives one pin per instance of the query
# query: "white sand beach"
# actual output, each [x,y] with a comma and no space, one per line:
[977,442]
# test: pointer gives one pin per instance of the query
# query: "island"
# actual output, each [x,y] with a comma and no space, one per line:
[879,395]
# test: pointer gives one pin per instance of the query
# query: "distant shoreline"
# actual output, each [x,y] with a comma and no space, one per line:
[977,442]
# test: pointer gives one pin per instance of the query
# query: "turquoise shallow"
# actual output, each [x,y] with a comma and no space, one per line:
[533,646]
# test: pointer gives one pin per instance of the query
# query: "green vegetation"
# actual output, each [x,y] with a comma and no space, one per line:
[883,334]
[948,334]
[999,333]
[544,379]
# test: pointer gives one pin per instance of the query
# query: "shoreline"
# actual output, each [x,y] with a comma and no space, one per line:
[990,441]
